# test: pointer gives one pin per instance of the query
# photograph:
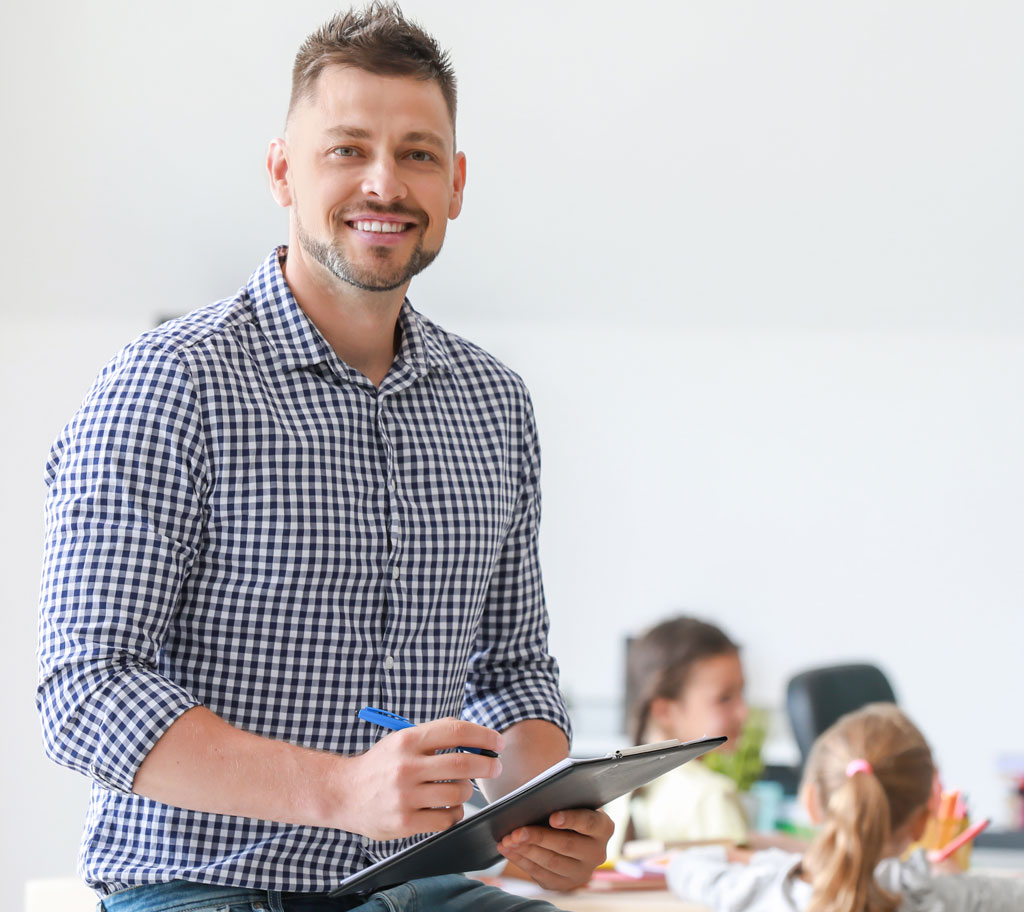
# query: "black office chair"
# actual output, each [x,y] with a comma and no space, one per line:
[816,698]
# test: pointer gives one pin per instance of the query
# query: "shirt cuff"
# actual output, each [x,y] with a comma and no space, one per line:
[128,717]
[518,702]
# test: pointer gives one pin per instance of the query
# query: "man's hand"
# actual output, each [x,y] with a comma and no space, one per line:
[561,856]
[399,787]
[402,786]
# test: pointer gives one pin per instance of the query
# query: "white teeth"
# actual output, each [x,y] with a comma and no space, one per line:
[380,227]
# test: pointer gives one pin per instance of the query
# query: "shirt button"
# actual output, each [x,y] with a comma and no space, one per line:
[389,663]
[365,840]
[395,573]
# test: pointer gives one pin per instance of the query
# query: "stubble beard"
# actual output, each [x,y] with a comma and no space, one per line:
[386,277]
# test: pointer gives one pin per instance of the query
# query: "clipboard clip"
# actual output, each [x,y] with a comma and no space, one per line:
[643,748]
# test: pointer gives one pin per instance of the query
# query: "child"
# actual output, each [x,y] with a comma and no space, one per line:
[867,783]
[685,681]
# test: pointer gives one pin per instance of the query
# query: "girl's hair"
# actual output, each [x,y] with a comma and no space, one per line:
[862,808]
[659,662]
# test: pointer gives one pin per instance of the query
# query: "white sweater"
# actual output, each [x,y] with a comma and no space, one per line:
[769,883]
[688,804]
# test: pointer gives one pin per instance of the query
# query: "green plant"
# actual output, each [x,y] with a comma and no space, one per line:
[744,764]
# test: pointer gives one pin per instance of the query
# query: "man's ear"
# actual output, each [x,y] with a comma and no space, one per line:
[277,169]
[458,185]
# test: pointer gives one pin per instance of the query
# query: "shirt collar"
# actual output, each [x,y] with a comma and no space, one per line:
[422,347]
[300,344]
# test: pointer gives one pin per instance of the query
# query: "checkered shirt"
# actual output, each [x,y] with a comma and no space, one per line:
[237,519]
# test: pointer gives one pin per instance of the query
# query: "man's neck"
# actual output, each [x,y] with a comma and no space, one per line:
[359,325]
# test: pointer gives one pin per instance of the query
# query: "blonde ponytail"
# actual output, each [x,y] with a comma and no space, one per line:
[870,771]
[841,861]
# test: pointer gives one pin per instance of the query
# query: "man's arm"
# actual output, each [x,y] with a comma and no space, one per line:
[563,855]
[400,787]
[124,523]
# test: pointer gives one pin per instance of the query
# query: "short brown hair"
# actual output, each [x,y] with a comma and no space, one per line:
[378,39]
[659,663]
[862,809]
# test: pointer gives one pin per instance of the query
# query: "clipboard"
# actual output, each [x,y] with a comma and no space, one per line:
[471,844]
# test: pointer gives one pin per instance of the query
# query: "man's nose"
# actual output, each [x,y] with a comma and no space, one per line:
[383,181]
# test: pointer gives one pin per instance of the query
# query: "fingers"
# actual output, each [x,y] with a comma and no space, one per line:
[544,838]
[403,786]
[444,734]
[406,808]
[551,871]
[564,855]
[436,767]
[442,794]
[590,823]
[434,780]
[420,745]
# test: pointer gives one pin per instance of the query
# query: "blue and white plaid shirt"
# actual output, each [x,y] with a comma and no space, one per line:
[237,519]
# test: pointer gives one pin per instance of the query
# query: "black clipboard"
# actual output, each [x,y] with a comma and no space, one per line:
[471,844]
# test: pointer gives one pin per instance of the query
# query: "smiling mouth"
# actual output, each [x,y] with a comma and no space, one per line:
[380,227]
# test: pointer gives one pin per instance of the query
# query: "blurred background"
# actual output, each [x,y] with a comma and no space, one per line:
[759,263]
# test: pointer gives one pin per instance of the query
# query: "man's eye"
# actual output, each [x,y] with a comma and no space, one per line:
[421,156]
[344,152]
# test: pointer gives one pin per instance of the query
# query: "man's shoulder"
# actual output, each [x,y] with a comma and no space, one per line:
[168,353]
[199,328]
[187,337]
[470,363]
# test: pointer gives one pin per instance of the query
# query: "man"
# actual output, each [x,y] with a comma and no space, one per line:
[294,503]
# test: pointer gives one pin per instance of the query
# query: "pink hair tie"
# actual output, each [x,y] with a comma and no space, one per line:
[858,766]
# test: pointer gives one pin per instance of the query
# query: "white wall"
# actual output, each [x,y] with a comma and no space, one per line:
[759,262]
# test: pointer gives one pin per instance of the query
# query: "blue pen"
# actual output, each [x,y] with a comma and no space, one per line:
[396,722]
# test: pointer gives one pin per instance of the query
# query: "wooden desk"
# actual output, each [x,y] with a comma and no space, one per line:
[602,900]
[620,901]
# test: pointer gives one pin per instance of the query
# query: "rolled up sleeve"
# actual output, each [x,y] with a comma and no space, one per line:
[123,523]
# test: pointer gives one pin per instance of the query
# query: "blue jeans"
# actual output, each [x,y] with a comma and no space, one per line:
[452,892]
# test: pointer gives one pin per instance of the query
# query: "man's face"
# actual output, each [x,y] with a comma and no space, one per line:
[370,171]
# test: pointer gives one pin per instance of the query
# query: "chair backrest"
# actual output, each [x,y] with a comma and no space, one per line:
[817,698]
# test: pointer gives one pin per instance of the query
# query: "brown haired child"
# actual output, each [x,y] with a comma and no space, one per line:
[685,681]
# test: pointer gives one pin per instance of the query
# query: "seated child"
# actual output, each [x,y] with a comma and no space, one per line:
[867,782]
[685,681]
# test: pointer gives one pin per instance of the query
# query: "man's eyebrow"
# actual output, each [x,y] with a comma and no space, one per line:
[345,132]
[425,137]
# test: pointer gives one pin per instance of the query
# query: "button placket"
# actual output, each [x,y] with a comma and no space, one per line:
[390,484]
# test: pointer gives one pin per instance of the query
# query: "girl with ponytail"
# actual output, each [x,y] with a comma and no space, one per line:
[867,785]
[868,779]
